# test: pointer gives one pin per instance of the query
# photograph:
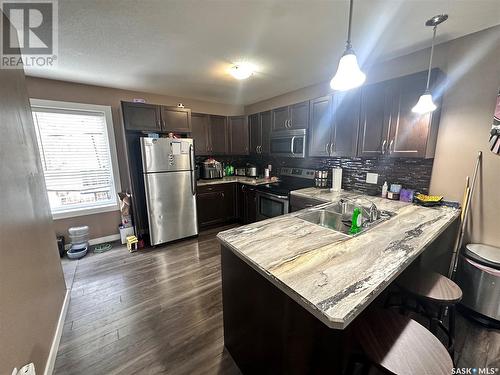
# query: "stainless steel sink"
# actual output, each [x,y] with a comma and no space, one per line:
[339,217]
[328,219]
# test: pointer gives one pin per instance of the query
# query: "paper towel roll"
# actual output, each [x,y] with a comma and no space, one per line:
[336,179]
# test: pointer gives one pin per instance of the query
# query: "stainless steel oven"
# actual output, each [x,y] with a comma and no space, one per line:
[289,143]
[271,205]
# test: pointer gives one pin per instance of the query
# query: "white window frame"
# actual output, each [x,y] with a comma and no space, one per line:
[71,212]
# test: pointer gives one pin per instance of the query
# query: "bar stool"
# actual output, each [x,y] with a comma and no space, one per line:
[432,294]
[396,344]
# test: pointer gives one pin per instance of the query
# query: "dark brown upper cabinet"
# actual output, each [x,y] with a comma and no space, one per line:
[346,106]
[265,132]
[175,119]
[375,119]
[255,132]
[280,116]
[387,124]
[199,132]
[260,132]
[295,116]
[238,135]
[141,116]
[321,124]
[413,135]
[333,125]
[218,135]
[156,118]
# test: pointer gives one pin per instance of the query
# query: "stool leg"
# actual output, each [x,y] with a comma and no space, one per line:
[451,329]
[434,323]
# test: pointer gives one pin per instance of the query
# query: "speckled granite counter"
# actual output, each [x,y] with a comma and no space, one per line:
[240,179]
[333,275]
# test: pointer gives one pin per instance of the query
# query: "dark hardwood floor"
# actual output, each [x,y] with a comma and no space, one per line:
[157,311]
[160,311]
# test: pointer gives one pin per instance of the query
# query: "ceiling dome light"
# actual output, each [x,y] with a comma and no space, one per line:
[348,75]
[425,103]
[241,71]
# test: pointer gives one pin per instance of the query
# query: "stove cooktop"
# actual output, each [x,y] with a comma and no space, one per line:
[290,179]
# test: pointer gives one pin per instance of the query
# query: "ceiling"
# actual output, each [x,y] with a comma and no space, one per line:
[184,47]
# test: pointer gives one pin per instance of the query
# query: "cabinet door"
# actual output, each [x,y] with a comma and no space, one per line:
[199,132]
[229,202]
[376,109]
[251,206]
[346,123]
[141,116]
[320,128]
[409,131]
[265,128]
[210,207]
[280,118]
[255,133]
[174,119]
[299,115]
[238,131]
[216,204]
[218,134]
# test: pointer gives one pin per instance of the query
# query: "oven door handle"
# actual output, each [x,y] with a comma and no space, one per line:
[291,144]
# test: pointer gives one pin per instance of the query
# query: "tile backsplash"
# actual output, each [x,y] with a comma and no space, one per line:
[409,172]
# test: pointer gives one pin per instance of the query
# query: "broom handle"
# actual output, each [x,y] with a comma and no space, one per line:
[461,233]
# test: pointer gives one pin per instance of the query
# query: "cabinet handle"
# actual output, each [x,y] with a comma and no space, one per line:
[332,147]
[256,149]
[327,148]
[383,146]
[391,145]
[289,123]
[222,194]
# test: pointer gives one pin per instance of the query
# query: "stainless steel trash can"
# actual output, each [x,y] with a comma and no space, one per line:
[478,275]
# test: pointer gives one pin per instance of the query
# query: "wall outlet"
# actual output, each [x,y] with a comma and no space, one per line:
[372,178]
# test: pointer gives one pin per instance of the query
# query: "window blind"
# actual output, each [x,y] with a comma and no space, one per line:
[76,158]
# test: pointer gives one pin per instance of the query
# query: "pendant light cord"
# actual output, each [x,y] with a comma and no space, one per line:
[430,60]
[348,44]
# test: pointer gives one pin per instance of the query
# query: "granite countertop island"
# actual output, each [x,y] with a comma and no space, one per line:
[332,275]
[253,181]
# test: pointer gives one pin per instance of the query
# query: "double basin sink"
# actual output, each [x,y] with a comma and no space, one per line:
[338,216]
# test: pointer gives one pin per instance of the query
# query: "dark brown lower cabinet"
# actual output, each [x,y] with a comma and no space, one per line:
[247,204]
[216,204]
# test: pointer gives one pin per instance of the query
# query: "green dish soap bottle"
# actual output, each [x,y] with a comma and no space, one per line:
[356,221]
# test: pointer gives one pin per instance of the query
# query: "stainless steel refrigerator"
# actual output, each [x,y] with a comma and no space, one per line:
[170,184]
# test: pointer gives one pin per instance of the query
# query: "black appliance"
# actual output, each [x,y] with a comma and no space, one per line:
[273,198]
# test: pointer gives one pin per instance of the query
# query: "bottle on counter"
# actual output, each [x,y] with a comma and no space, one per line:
[356,223]
[384,190]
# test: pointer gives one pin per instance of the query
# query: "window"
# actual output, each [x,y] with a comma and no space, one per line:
[78,156]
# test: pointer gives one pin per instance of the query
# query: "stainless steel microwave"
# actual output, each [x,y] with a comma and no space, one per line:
[289,143]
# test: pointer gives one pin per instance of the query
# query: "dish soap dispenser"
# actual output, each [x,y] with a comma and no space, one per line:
[356,221]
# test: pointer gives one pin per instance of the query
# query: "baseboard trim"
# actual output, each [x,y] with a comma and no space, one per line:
[49,367]
[96,241]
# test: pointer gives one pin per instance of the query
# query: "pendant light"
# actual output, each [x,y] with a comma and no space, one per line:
[348,74]
[425,103]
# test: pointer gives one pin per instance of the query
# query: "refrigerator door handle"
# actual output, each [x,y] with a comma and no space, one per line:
[191,157]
